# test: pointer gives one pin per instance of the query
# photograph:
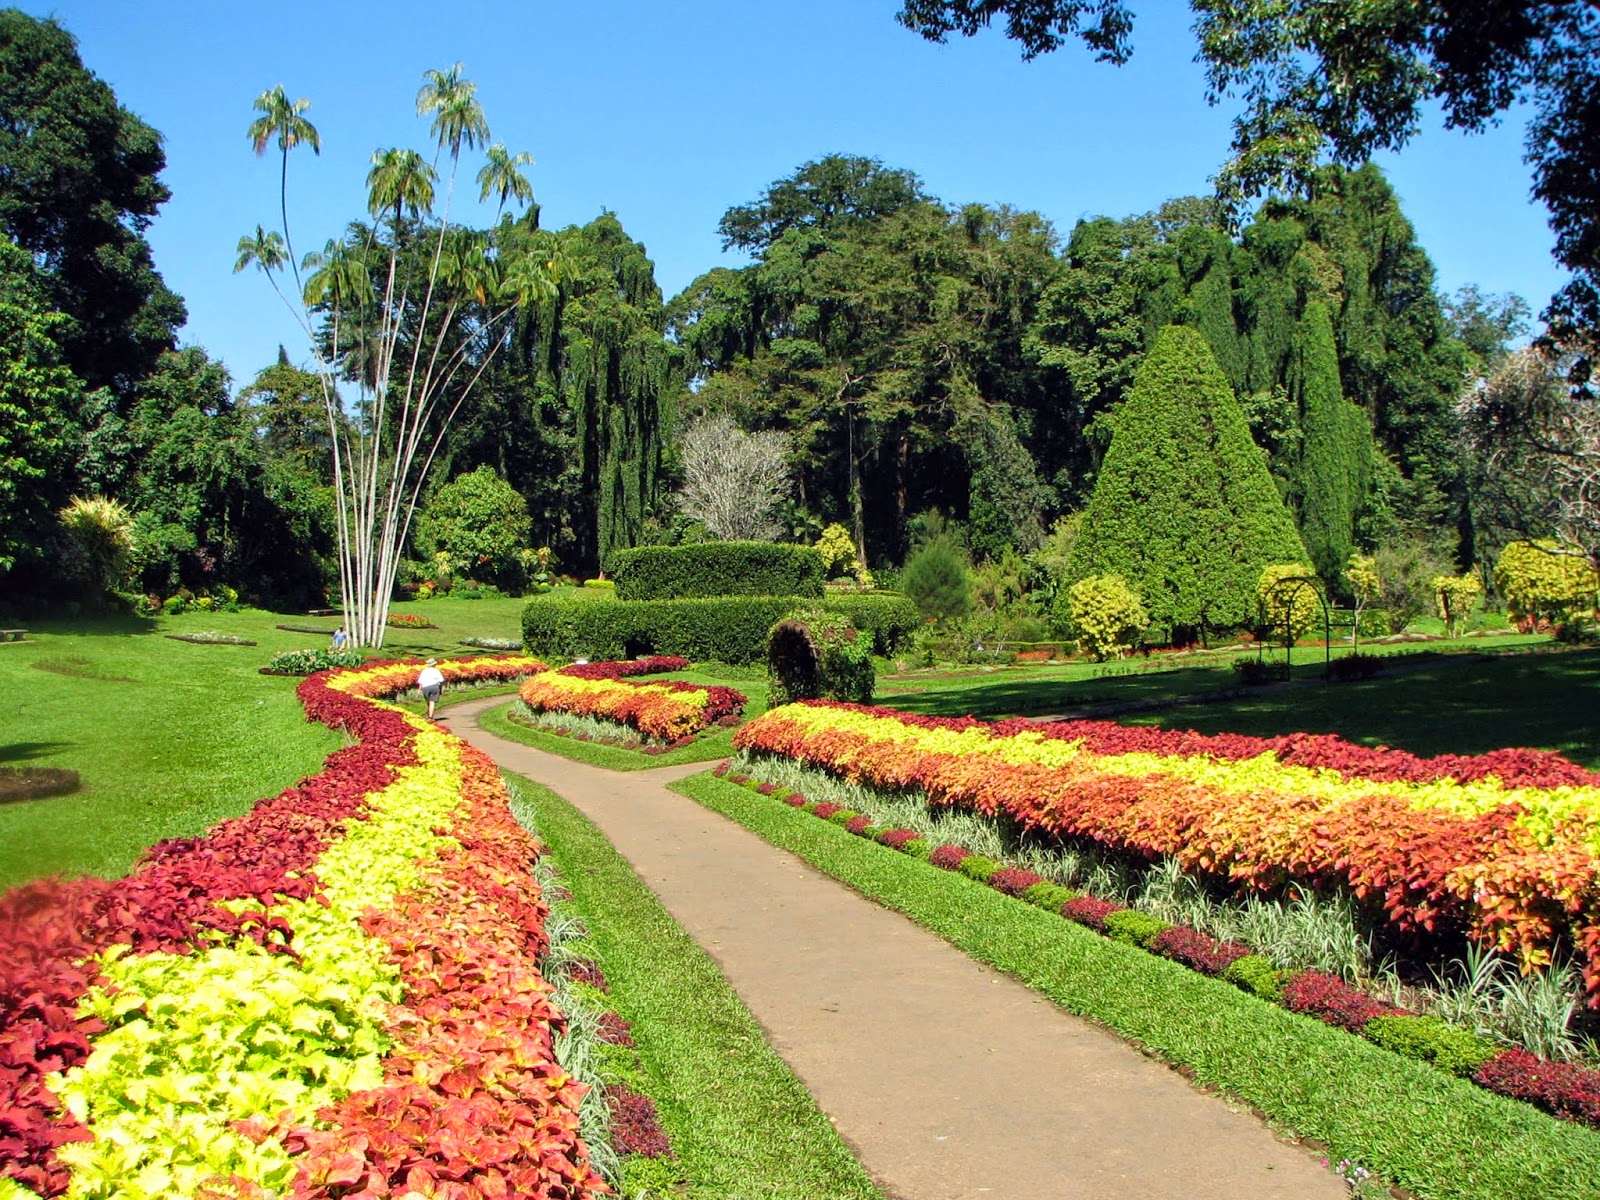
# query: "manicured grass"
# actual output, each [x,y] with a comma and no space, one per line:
[1548,701]
[739,1121]
[169,737]
[1049,688]
[1443,1138]
[710,746]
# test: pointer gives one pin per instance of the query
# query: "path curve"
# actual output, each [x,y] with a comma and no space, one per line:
[949,1080]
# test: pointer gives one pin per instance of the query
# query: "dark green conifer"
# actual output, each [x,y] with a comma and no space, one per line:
[1336,450]
[1184,508]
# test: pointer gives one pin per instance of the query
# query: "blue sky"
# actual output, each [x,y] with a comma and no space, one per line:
[669,113]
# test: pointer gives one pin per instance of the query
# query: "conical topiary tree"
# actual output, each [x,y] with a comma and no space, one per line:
[1184,508]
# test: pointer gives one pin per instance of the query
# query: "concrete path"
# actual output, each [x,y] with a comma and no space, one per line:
[948,1080]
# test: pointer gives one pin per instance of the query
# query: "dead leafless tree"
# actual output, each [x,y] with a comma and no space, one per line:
[733,479]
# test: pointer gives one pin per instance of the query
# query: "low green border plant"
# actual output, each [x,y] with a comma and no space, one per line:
[739,1121]
[1441,1137]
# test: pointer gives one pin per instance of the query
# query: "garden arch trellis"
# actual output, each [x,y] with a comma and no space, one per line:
[1285,592]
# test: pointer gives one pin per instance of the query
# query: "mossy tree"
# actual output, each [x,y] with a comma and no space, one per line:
[1184,508]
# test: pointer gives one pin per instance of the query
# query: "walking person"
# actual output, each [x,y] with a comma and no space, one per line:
[339,639]
[430,681]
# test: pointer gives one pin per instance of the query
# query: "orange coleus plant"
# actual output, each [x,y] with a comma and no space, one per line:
[1436,845]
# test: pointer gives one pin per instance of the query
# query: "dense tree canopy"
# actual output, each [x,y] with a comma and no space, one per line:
[876,342]
[1346,78]
[78,187]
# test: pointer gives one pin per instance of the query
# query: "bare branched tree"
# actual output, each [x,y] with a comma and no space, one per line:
[410,327]
[1533,442]
[733,479]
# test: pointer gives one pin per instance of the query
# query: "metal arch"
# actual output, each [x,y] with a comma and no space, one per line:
[1286,590]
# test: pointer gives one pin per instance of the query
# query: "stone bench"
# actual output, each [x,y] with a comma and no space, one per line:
[12,635]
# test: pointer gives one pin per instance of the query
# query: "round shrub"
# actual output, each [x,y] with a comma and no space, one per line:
[935,577]
[1257,976]
[1105,613]
[1133,927]
[1432,1040]
[977,867]
[1050,896]
[1281,601]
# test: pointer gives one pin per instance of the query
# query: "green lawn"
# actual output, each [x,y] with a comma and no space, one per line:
[169,737]
[1550,701]
[1049,688]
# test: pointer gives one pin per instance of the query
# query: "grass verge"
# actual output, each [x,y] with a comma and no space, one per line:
[739,1121]
[1442,1138]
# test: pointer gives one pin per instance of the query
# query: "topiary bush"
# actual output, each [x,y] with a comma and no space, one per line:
[977,867]
[891,618]
[1255,975]
[1134,927]
[818,655]
[716,569]
[1432,1040]
[730,629]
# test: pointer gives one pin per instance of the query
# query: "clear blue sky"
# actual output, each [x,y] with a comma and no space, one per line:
[669,113]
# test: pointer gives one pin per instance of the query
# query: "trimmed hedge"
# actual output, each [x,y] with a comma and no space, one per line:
[888,616]
[711,569]
[730,629]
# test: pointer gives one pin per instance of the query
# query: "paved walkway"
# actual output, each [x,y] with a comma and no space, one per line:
[947,1079]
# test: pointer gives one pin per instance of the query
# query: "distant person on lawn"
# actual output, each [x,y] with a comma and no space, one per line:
[431,682]
[339,639]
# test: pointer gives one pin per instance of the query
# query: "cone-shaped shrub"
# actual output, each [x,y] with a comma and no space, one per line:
[1184,508]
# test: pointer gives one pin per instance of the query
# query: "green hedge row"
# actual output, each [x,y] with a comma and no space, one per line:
[730,629]
[716,569]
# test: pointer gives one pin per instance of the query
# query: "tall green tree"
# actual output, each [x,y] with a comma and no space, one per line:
[1335,467]
[79,184]
[871,338]
[37,397]
[1342,79]
[1184,508]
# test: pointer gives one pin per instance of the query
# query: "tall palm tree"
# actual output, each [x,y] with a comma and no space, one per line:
[281,118]
[457,116]
[500,176]
[400,180]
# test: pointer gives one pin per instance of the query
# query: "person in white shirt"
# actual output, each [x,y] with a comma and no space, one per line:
[430,680]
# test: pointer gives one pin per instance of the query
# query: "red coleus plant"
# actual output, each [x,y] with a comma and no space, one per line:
[173,900]
[1197,950]
[1090,911]
[949,857]
[657,664]
[1333,1001]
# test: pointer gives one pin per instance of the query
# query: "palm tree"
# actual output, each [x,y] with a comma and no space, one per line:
[501,177]
[457,116]
[400,180]
[261,249]
[280,117]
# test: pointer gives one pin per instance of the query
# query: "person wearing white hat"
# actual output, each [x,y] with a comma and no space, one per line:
[430,680]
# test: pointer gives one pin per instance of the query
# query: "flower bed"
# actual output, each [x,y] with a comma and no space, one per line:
[1502,846]
[1564,1090]
[666,710]
[656,664]
[408,621]
[275,1007]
